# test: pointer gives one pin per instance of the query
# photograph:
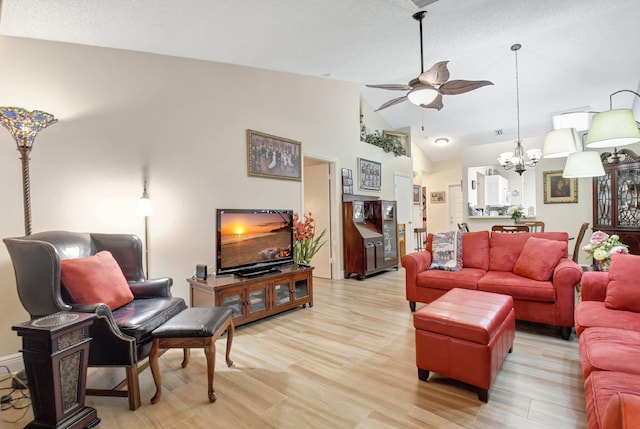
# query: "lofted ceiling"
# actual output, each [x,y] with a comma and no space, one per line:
[574,52]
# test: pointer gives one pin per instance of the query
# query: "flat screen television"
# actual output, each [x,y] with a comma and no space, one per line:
[253,242]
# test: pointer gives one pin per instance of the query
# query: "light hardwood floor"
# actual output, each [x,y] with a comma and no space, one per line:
[349,362]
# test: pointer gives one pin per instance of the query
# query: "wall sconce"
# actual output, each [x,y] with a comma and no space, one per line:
[24,126]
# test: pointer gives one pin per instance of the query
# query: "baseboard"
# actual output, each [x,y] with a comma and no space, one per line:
[13,362]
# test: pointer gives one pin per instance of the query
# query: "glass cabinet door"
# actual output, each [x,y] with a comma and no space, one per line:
[302,289]
[257,300]
[234,302]
[283,294]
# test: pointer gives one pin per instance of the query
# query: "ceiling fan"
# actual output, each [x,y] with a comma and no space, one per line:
[427,89]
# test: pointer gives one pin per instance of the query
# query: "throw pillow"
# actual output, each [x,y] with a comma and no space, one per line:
[538,258]
[446,251]
[623,290]
[95,279]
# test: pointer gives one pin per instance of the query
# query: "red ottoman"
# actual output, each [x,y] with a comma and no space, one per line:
[465,335]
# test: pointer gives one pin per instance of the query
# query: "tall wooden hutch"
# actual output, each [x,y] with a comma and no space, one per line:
[370,237]
[616,202]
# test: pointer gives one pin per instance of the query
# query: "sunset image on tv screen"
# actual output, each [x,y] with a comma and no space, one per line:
[248,238]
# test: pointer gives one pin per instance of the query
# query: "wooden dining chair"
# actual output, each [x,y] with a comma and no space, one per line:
[534,225]
[510,228]
[579,238]
[463,226]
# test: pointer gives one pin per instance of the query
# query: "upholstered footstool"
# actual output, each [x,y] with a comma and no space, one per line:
[198,327]
[465,335]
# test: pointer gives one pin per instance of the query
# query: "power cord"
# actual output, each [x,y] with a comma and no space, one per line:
[18,397]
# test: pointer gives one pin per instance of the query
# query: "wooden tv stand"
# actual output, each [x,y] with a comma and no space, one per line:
[253,298]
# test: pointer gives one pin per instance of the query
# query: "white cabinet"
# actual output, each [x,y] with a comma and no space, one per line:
[495,190]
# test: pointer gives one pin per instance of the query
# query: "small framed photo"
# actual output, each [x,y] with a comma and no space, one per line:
[370,174]
[416,194]
[347,181]
[558,190]
[437,197]
[273,157]
[401,138]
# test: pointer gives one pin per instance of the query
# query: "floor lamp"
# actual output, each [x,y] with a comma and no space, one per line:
[145,208]
[24,126]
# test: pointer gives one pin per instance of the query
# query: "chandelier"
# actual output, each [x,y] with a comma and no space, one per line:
[516,159]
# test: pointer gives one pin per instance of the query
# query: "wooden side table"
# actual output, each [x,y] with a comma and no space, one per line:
[55,353]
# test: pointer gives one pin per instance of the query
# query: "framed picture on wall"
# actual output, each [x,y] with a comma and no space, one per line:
[438,197]
[273,157]
[370,174]
[417,194]
[558,189]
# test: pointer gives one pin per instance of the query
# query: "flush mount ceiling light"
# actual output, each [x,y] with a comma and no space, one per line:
[516,159]
[442,141]
[427,89]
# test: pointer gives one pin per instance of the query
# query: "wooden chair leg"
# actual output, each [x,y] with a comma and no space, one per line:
[133,387]
[230,330]
[210,353]
[186,353]
[155,370]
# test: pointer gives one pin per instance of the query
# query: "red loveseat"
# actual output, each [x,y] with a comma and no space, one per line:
[540,278]
[608,326]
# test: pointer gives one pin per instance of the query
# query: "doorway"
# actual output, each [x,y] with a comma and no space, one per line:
[317,197]
[404,200]
[456,214]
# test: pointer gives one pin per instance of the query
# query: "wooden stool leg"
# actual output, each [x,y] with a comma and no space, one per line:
[230,330]
[155,370]
[186,352]
[210,353]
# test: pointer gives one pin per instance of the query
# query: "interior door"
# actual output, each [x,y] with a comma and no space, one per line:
[317,200]
[404,198]
[455,205]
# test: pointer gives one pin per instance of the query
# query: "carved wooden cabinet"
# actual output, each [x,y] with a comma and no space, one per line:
[616,204]
[370,237]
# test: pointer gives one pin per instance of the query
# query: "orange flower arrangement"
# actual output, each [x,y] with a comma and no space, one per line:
[305,245]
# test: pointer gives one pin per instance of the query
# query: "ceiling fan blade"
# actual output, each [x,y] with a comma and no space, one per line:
[392,86]
[461,86]
[436,75]
[435,104]
[392,102]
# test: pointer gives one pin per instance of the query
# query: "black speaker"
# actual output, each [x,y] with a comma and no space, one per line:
[201,272]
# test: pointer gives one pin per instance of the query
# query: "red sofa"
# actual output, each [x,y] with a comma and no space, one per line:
[543,292]
[608,327]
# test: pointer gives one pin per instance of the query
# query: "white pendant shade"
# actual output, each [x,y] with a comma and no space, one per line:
[560,143]
[578,120]
[422,95]
[583,164]
[613,128]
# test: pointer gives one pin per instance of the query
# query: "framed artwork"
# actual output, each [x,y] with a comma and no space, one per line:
[558,189]
[438,197]
[416,194]
[347,181]
[401,138]
[273,157]
[370,174]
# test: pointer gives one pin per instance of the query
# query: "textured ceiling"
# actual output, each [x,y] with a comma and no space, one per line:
[574,52]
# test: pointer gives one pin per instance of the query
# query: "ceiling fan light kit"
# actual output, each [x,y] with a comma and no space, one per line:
[428,88]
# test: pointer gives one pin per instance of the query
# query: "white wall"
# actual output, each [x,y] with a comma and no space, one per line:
[182,120]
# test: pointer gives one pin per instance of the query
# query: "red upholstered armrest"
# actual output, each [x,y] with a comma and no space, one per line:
[623,412]
[566,274]
[594,285]
[414,264]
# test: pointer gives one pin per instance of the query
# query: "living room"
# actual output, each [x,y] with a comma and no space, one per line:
[181,123]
